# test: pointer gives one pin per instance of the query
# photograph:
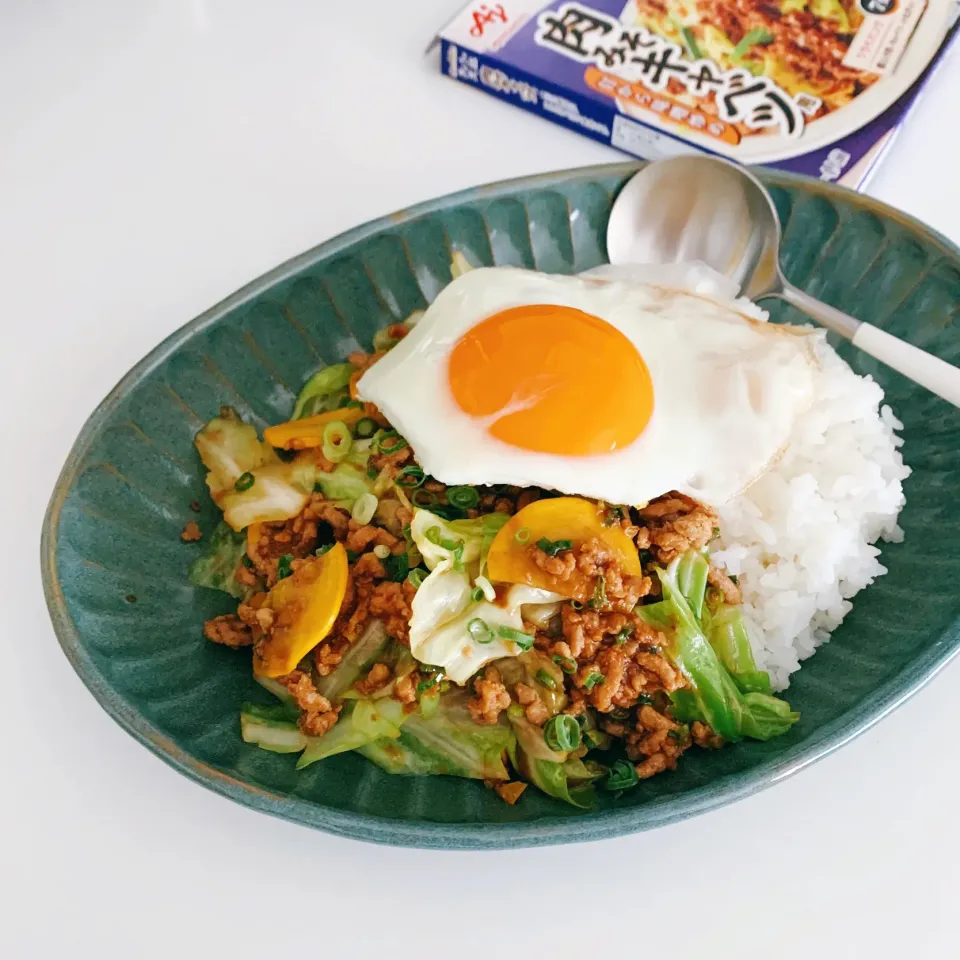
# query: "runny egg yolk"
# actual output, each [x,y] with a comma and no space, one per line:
[552,379]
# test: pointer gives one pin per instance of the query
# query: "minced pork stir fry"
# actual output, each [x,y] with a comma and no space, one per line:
[510,635]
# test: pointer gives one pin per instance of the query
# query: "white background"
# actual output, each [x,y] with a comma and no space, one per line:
[154,156]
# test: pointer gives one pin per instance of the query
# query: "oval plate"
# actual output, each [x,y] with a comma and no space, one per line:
[112,527]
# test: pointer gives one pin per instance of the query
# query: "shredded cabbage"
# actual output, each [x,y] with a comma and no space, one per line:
[216,568]
[324,391]
[279,491]
[229,448]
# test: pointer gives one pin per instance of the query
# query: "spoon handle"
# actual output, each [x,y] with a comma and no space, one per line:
[936,375]
[825,315]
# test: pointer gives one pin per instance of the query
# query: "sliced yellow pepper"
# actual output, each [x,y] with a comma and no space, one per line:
[559,518]
[308,432]
[305,607]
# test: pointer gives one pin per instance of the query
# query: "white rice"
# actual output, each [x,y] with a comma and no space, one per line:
[801,539]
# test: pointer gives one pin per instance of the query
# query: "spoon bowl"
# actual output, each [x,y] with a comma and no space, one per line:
[701,208]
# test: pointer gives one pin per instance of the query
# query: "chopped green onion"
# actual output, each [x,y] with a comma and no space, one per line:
[337,441]
[397,566]
[690,42]
[283,566]
[320,551]
[565,664]
[364,508]
[613,516]
[622,776]
[410,477]
[480,630]
[515,711]
[599,593]
[546,679]
[553,547]
[523,640]
[522,535]
[464,498]
[735,579]
[624,635]
[244,482]
[477,594]
[423,498]
[434,535]
[457,555]
[246,561]
[365,428]
[576,604]
[390,442]
[381,552]
[431,681]
[562,733]
[350,403]
[416,576]
[487,588]
[752,38]
[619,713]
[372,472]
[592,680]
[644,699]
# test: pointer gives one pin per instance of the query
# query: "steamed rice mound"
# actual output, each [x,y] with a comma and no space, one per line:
[802,539]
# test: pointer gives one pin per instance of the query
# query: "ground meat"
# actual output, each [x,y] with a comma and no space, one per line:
[591,568]
[317,713]
[730,590]
[585,630]
[360,537]
[191,532]
[328,654]
[363,361]
[623,649]
[229,630]
[562,566]
[527,497]
[379,676]
[405,689]
[355,609]
[491,697]
[296,538]
[675,524]
[703,736]
[657,742]
[391,603]
[246,576]
[612,663]
[535,710]
[338,518]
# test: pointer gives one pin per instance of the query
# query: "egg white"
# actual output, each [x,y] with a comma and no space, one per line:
[727,390]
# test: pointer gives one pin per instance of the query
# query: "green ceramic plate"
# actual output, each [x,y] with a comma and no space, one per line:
[112,526]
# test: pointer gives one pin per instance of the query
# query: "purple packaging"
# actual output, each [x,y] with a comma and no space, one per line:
[819,87]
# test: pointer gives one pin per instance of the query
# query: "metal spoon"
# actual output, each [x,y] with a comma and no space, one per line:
[702,208]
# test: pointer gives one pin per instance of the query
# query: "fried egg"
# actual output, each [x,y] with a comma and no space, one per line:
[608,388]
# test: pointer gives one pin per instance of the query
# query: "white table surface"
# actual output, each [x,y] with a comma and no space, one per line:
[154,156]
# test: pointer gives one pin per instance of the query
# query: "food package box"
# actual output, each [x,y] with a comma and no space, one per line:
[819,87]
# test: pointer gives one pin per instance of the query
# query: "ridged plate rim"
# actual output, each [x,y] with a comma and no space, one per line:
[424,834]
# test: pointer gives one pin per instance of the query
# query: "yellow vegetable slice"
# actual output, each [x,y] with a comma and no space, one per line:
[559,518]
[308,432]
[305,607]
